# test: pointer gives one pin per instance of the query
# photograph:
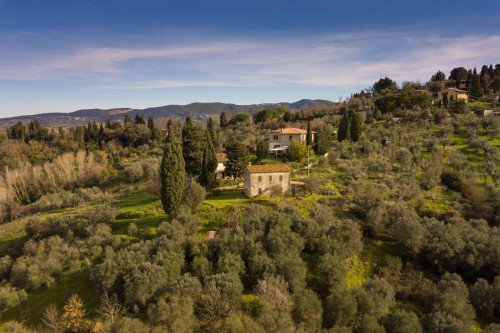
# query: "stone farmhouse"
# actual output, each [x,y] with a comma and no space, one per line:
[260,178]
[283,136]
[456,93]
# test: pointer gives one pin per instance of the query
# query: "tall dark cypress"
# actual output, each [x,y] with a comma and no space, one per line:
[213,134]
[151,123]
[172,173]
[208,164]
[192,146]
[309,140]
[356,125]
[223,119]
[344,127]
[476,90]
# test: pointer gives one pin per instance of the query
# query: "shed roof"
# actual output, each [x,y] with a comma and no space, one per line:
[268,168]
[210,234]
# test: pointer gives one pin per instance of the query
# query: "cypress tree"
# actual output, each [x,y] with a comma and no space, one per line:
[192,146]
[108,123]
[139,119]
[101,133]
[208,164]
[213,134]
[151,123]
[322,140]
[127,119]
[318,137]
[445,100]
[223,119]
[309,134]
[172,173]
[344,127]
[356,125]
[476,90]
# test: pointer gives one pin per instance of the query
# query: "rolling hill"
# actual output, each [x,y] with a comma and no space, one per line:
[197,111]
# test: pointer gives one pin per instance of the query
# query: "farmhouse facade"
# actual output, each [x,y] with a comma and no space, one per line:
[259,179]
[283,136]
[455,93]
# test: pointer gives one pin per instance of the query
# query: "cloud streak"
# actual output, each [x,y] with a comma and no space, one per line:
[355,59]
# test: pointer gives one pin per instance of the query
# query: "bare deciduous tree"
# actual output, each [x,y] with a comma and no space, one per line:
[111,309]
[51,318]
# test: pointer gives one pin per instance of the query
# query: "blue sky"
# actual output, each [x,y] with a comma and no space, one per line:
[60,56]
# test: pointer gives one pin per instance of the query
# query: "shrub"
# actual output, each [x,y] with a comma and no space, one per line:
[451,179]
[193,196]
[102,214]
[10,297]
[314,183]
[134,171]
[276,190]
[132,230]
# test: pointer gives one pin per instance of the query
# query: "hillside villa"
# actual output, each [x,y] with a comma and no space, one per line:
[260,178]
[455,93]
[282,137]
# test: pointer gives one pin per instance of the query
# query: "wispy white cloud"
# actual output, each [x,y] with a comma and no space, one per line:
[350,59]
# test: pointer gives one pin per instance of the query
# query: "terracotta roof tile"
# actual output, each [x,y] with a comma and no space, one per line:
[268,168]
[291,130]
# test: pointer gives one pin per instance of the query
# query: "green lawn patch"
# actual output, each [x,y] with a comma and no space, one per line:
[31,311]
[375,250]
[150,222]
[227,198]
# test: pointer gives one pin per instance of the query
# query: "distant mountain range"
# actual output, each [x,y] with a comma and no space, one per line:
[197,111]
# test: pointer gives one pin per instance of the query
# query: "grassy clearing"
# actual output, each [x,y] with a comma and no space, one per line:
[227,198]
[38,300]
[376,249]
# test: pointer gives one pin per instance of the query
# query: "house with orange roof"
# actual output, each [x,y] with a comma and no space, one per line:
[259,179]
[282,137]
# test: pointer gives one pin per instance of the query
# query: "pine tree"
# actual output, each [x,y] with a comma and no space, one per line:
[192,146]
[344,128]
[261,149]
[238,157]
[356,126]
[172,173]
[309,134]
[72,319]
[209,163]
[223,119]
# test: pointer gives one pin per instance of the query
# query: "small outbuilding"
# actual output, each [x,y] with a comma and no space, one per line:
[221,159]
[259,179]
[484,113]
[210,234]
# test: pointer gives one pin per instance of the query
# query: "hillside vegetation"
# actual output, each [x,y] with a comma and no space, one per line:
[394,225]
